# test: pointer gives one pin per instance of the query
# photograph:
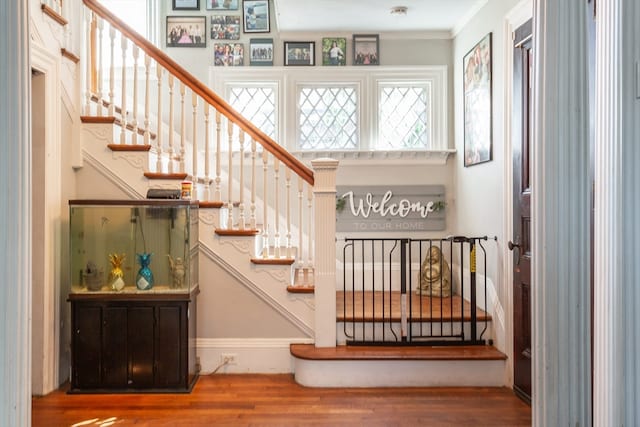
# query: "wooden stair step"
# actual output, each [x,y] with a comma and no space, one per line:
[51,13]
[295,289]
[210,204]
[160,175]
[273,261]
[233,232]
[344,352]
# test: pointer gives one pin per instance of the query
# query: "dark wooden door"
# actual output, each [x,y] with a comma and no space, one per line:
[141,345]
[87,346]
[521,239]
[114,346]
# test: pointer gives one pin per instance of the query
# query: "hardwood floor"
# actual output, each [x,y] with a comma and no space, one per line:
[276,400]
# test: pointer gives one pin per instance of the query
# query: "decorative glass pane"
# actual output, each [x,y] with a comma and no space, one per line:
[258,105]
[403,119]
[327,118]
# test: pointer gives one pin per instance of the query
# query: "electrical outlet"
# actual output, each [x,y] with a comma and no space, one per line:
[229,358]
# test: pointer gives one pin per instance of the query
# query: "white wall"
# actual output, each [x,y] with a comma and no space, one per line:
[479,189]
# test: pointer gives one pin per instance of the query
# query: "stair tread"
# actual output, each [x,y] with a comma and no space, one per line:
[344,352]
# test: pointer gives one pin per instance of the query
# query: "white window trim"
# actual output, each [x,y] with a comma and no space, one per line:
[288,79]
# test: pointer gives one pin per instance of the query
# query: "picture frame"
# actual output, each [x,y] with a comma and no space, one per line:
[225,27]
[334,51]
[228,54]
[222,4]
[186,31]
[255,16]
[478,138]
[186,4]
[261,52]
[299,53]
[366,49]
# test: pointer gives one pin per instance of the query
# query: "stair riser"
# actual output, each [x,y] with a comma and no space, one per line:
[400,373]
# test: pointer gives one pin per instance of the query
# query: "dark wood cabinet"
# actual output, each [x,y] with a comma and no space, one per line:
[133,342]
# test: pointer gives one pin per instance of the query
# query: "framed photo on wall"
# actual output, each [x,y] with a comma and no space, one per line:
[186,31]
[228,54]
[299,53]
[334,51]
[476,66]
[186,4]
[261,52]
[366,49]
[255,14]
[225,27]
[222,4]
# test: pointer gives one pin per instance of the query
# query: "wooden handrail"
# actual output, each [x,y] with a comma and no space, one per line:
[204,92]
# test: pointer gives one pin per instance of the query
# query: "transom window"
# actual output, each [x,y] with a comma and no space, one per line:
[350,109]
[327,118]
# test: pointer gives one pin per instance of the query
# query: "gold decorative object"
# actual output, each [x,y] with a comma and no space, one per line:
[177,271]
[435,275]
[116,277]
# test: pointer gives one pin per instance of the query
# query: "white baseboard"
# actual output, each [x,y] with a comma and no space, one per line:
[252,355]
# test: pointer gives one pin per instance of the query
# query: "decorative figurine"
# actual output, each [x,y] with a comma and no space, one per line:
[144,279]
[177,272]
[92,277]
[116,276]
[435,275]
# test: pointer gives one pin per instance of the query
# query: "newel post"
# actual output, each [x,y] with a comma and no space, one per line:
[325,251]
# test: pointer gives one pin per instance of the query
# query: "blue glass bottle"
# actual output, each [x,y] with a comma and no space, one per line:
[144,279]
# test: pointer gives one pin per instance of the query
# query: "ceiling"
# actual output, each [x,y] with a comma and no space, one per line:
[373,15]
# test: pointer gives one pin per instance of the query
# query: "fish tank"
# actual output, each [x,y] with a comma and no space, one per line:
[133,246]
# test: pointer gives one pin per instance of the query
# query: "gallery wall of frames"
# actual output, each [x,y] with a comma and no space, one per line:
[223,26]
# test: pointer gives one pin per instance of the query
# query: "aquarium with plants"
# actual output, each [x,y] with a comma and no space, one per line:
[133,246]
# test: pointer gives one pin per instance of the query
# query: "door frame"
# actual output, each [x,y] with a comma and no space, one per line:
[517,16]
[46,345]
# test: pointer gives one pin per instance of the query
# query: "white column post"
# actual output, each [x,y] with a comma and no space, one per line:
[617,234]
[325,251]
[561,216]
[15,216]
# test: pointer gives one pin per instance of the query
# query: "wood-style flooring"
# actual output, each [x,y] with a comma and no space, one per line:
[276,400]
[371,306]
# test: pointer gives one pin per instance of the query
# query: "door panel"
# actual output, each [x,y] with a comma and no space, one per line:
[521,243]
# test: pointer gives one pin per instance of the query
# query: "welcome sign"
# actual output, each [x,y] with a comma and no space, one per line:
[390,208]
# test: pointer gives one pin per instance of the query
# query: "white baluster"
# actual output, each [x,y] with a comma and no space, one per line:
[241,221]
[265,210]
[276,236]
[207,153]
[194,142]
[159,134]
[182,129]
[112,37]
[230,175]
[123,108]
[309,230]
[100,65]
[170,165]
[252,219]
[134,118]
[287,177]
[299,255]
[89,71]
[218,194]
[147,96]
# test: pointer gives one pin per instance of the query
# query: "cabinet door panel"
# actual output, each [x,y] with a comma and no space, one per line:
[141,348]
[87,346]
[114,349]
[170,339]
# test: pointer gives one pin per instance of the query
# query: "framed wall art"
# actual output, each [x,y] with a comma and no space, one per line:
[477,103]
[186,31]
[228,54]
[261,52]
[366,49]
[222,4]
[186,4]
[299,53]
[255,15]
[334,51]
[225,27]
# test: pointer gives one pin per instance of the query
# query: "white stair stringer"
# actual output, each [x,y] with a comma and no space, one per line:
[269,283]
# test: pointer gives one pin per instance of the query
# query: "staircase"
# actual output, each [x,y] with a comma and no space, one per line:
[266,219]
